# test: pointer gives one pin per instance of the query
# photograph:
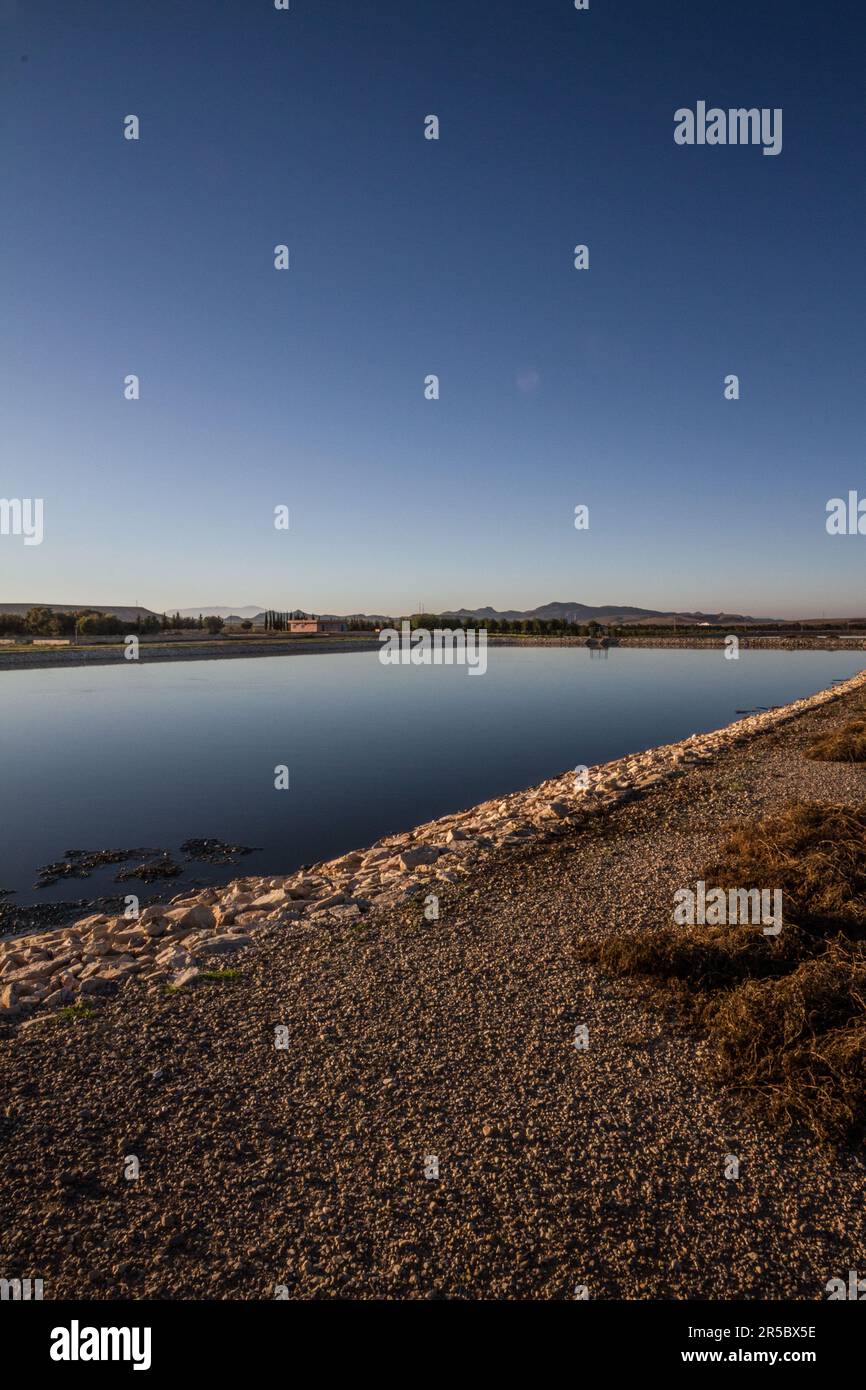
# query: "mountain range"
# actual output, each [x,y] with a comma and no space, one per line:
[215,610]
[570,612]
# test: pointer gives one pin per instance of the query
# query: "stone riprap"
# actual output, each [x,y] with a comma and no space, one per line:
[176,943]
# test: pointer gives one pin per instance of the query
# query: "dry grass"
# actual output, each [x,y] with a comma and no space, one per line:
[815,853]
[800,1040]
[705,958]
[785,1016]
[845,745]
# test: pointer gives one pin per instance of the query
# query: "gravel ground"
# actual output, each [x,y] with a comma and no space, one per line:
[304,1166]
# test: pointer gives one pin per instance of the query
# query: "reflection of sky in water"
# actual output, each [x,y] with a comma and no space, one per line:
[154,755]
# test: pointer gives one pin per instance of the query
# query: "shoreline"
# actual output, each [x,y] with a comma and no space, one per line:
[168,943]
[405,1037]
[104,655]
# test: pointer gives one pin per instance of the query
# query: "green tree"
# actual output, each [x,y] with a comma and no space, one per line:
[40,620]
[100,624]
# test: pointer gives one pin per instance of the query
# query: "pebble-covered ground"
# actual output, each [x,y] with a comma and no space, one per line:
[273,1126]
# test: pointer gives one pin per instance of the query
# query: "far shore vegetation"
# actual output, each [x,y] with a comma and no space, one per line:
[88,623]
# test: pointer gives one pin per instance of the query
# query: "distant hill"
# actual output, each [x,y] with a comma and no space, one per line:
[216,610]
[129,614]
[374,619]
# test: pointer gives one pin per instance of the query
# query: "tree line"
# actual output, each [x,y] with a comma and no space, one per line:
[45,622]
[535,627]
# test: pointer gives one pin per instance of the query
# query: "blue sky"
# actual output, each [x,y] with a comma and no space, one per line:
[410,257]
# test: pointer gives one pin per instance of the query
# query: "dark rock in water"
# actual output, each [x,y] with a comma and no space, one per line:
[146,864]
[94,857]
[153,863]
[213,851]
[151,870]
[80,863]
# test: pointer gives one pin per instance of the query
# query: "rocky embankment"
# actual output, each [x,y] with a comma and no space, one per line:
[193,934]
[801,643]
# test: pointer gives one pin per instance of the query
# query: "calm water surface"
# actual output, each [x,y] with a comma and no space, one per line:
[142,755]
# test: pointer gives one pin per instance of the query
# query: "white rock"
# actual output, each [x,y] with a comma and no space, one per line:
[185,977]
[421,854]
[274,899]
[218,945]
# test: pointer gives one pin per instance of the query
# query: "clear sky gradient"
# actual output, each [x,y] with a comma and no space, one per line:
[410,257]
